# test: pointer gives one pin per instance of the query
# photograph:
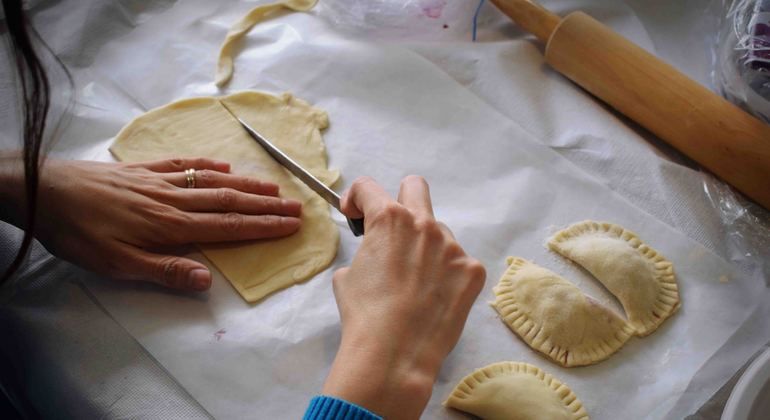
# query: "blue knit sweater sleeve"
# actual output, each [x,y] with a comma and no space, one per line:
[330,408]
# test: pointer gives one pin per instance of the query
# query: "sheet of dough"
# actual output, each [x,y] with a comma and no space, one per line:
[202,127]
[240,28]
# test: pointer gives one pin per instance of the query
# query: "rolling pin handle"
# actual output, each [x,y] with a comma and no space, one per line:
[531,16]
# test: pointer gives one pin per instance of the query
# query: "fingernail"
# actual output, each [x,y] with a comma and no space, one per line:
[199,279]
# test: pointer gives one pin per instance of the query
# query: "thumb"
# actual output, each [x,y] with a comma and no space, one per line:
[170,271]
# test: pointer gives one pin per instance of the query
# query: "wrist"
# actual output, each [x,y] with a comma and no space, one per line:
[373,374]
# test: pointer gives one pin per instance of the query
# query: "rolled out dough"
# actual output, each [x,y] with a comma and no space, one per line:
[201,127]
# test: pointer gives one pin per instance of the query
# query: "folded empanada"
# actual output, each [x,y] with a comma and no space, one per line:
[554,317]
[515,391]
[641,278]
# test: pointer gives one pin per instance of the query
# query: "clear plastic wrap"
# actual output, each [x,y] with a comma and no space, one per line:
[742,75]
[742,70]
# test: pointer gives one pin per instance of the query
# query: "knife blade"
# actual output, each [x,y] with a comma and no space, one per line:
[331,197]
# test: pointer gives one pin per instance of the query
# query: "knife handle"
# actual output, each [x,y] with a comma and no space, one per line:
[357,226]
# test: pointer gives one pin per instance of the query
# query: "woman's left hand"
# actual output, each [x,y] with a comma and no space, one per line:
[115,218]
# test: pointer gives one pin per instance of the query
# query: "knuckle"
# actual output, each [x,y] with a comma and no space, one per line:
[177,163]
[251,184]
[169,270]
[273,222]
[476,270]
[205,177]
[269,204]
[454,250]
[226,198]
[429,228]
[231,222]
[361,181]
[392,212]
[395,210]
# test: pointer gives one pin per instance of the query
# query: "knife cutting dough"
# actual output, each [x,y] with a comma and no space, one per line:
[191,175]
[202,127]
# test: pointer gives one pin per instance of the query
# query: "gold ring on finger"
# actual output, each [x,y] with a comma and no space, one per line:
[190,176]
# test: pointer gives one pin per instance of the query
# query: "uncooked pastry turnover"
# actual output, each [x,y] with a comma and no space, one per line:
[240,28]
[554,317]
[641,278]
[515,391]
[201,127]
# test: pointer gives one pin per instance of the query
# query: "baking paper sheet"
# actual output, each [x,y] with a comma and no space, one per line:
[393,112]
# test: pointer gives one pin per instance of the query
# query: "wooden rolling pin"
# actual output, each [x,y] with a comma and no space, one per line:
[704,126]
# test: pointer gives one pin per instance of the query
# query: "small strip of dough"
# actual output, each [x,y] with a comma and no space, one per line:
[641,278]
[554,317]
[201,127]
[240,28]
[515,391]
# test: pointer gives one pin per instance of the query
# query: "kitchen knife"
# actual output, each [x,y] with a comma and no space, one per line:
[356,225]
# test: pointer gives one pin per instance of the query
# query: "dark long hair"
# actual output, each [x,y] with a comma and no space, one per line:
[36,103]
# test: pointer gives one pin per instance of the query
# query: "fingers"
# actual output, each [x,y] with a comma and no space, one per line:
[180,164]
[364,196]
[224,200]
[167,270]
[226,227]
[214,179]
[415,195]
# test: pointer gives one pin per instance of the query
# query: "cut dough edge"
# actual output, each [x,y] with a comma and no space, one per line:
[667,300]
[530,330]
[239,29]
[465,388]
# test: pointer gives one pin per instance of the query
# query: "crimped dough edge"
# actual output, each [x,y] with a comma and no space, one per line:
[527,329]
[667,302]
[464,388]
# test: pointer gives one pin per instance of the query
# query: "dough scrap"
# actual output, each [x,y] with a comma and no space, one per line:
[554,317]
[240,28]
[641,278]
[202,127]
[515,391]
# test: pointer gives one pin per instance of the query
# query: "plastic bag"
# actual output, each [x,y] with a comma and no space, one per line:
[742,74]
[742,70]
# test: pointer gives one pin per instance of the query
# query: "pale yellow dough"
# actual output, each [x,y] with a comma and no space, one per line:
[201,127]
[240,28]
[641,278]
[515,391]
[554,317]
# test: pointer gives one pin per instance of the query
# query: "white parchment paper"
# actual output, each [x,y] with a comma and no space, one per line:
[393,112]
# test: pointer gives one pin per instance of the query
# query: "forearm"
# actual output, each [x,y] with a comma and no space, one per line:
[12,189]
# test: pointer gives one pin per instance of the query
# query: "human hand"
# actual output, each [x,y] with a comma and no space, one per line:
[114,218]
[403,302]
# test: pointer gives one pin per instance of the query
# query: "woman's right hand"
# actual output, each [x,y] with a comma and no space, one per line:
[403,302]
